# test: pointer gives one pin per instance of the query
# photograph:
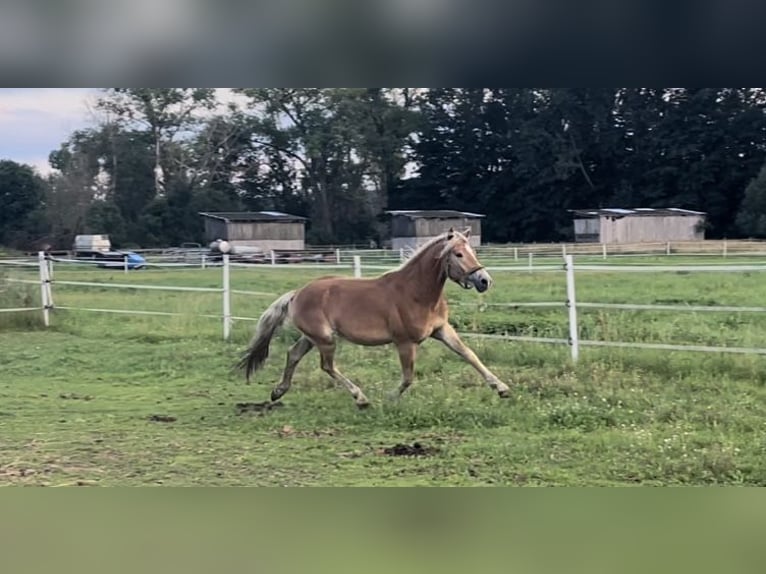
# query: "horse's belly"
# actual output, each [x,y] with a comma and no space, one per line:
[363,332]
[366,340]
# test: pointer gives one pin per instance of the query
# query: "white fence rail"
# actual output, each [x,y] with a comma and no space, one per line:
[569,269]
[530,254]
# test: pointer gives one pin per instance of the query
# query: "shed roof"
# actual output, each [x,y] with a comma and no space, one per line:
[637,212]
[252,216]
[436,214]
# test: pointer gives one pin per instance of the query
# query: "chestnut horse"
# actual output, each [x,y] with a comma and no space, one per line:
[404,307]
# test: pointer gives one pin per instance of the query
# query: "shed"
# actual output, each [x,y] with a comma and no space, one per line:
[639,225]
[266,230]
[411,229]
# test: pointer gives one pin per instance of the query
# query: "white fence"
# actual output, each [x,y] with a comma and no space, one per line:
[571,305]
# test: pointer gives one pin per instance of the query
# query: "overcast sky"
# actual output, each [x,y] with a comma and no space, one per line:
[34,121]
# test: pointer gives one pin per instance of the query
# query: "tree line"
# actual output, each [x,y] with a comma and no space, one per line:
[342,156]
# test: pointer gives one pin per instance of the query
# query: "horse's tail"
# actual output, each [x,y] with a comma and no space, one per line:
[271,320]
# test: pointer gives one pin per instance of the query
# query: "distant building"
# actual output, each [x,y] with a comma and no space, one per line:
[640,225]
[411,229]
[266,230]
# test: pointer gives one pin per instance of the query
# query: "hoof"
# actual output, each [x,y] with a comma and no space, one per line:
[363,405]
[275,396]
[504,393]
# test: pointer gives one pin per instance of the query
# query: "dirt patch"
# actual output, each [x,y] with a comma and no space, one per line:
[414,449]
[9,472]
[259,408]
[162,419]
[75,397]
[288,431]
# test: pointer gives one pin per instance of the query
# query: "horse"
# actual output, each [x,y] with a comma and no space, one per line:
[404,306]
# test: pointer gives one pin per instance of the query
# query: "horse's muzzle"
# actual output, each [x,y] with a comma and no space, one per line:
[480,279]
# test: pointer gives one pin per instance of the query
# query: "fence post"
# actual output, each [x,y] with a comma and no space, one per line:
[44,287]
[357,266]
[273,257]
[226,298]
[337,256]
[564,250]
[49,283]
[125,263]
[515,253]
[530,261]
[667,248]
[574,340]
[204,260]
[725,249]
[603,249]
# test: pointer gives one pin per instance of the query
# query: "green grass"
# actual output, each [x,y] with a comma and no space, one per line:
[18,296]
[76,400]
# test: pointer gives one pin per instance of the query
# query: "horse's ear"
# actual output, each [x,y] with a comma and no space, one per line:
[451,233]
[467,232]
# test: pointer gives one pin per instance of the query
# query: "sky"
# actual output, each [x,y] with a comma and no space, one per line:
[35,121]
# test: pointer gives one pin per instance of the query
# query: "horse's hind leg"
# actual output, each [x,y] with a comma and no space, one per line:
[294,356]
[327,350]
[407,352]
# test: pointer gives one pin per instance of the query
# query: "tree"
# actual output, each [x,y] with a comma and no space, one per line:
[692,147]
[104,217]
[489,150]
[752,215]
[302,126]
[385,118]
[74,185]
[163,112]
[523,156]
[145,129]
[451,153]
[22,192]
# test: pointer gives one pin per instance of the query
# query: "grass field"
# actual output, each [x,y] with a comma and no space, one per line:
[122,400]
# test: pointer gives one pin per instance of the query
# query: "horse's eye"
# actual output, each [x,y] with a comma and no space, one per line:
[459,254]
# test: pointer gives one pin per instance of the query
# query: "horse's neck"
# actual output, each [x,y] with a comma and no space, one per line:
[424,276]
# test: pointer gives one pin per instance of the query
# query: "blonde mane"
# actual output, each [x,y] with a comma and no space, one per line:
[428,245]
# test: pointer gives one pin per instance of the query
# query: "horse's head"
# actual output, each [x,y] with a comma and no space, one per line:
[462,264]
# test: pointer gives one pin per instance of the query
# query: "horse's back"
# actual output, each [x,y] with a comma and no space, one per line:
[334,289]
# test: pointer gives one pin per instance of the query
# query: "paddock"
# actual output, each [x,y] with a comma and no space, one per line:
[107,396]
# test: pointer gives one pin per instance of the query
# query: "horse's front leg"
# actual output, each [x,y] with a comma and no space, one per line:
[449,337]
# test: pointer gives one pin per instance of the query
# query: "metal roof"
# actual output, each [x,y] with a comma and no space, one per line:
[436,214]
[252,216]
[639,211]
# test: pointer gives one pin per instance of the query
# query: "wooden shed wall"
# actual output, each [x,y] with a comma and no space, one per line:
[402,227]
[266,235]
[406,227]
[247,231]
[651,229]
[411,233]
[215,229]
[587,230]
